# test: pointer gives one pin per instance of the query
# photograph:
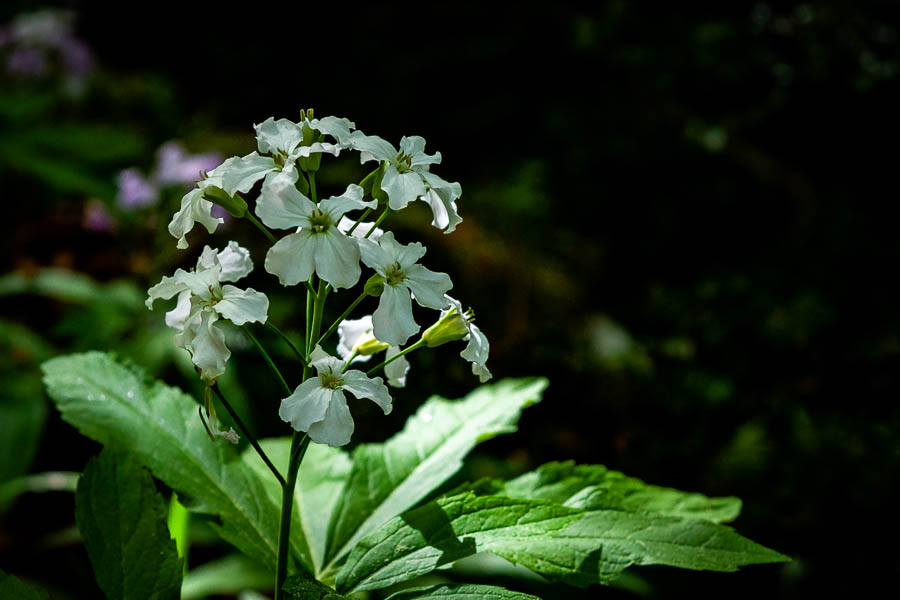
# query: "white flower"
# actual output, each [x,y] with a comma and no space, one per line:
[357,343]
[194,209]
[397,264]
[456,324]
[317,246]
[407,176]
[319,407]
[202,300]
[361,231]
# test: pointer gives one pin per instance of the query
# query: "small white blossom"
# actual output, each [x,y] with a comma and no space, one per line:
[478,348]
[357,343]
[318,406]
[202,300]
[407,176]
[317,246]
[397,264]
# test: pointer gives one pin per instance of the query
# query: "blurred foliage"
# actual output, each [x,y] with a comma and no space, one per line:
[683,217]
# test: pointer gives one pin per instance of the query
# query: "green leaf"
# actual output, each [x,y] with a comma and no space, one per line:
[13,587]
[596,487]
[388,479]
[226,576]
[319,483]
[304,587]
[122,519]
[578,547]
[113,404]
[465,591]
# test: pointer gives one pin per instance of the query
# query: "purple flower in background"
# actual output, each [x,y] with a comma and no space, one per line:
[135,191]
[97,218]
[175,166]
[26,61]
[38,41]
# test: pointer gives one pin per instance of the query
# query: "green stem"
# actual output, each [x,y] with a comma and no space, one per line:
[237,421]
[340,319]
[407,350]
[267,358]
[312,187]
[260,226]
[299,444]
[310,299]
[288,341]
[378,221]
[318,307]
[359,220]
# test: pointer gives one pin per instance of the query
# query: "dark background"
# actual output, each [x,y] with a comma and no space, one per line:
[684,216]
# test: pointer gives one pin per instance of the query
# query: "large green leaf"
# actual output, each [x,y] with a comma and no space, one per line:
[319,483]
[122,519]
[113,404]
[596,487]
[464,591]
[576,546]
[388,479]
[13,587]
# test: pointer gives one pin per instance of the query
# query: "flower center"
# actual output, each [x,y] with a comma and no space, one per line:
[403,162]
[215,295]
[393,274]
[319,221]
[330,380]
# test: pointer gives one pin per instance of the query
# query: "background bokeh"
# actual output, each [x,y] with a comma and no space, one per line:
[684,215]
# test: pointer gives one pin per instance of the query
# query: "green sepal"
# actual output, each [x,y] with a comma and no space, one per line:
[235,205]
[311,163]
[371,184]
[375,285]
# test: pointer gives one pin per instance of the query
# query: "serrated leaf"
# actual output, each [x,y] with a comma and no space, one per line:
[578,547]
[113,404]
[13,587]
[596,487]
[387,479]
[303,587]
[122,519]
[465,591]
[319,483]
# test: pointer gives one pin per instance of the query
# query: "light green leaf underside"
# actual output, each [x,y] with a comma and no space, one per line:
[227,576]
[595,487]
[388,479]
[464,591]
[122,520]
[114,405]
[578,547]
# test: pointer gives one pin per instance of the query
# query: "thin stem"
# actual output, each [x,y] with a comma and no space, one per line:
[267,358]
[312,187]
[287,340]
[299,444]
[340,319]
[260,226]
[359,220]
[407,350]
[318,307]
[378,221]
[237,421]
[349,360]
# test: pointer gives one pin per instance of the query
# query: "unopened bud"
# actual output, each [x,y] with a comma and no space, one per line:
[235,205]
[370,346]
[451,327]
[375,285]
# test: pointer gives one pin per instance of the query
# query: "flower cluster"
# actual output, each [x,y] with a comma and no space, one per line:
[328,241]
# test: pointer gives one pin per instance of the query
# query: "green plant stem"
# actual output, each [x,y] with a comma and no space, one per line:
[310,299]
[267,358]
[407,350]
[378,221]
[260,226]
[237,421]
[299,444]
[359,220]
[340,319]
[312,187]
[287,341]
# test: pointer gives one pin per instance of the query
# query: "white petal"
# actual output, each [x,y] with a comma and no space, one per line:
[193,209]
[272,136]
[337,258]
[200,282]
[372,145]
[350,333]
[477,353]
[361,230]
[176,317]
[351,199]
[317,354]
[401,188]
[281,205]
[337,127]
[407,255]
[307,405]
[396,371]
[393,319]
[441,196]
[362,386]
[414,146]
[336,428]
[235,261]
[292,258]
[242,306]
[244,172]
[374,256]
[165,289]
[208,350]
[429,287]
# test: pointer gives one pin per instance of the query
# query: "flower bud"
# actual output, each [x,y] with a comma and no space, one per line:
[235,205]
[375,285]
[371,184]
[370,346]
[451,327]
